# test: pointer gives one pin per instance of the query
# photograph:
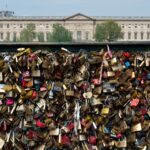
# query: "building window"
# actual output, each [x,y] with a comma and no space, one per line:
[21,26]
[48,34]
[135,35]
[40,37]
[141,25]
[47,26]
[142,35]
[87,35]
[123,35]
[129,26]
[14,37]
[129,35]
[34,35]
[148,35]
[135,26]
[1,35]
[41,25]
[1,25]
[71,33]
[148,26]
[7,25]
[122,25]
[79,34]
[8,36]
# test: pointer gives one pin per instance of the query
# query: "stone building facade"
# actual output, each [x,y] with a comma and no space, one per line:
[81,26]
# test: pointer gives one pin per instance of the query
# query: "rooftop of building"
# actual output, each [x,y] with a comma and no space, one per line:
[9,15]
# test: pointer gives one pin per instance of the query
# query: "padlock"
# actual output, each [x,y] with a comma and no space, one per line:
[70,92]
[121,144]
[9,94]
[105,111]
[36,73]
[113,61]
[136,127]
[87,95]
[54,132]
[85,100]
[96,101]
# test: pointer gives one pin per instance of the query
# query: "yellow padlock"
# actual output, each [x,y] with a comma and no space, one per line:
[105,111]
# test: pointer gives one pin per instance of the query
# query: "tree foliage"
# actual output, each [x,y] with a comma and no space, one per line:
[28,34]
[108,31]
[59,34]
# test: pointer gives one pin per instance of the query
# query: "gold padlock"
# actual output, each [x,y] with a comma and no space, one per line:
[110,74]
[54,132]
[28,50]
[113,61]
[36,73]
[105,111]
[69,92]
[136,128]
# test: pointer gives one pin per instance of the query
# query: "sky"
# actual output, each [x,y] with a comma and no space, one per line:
[71,7]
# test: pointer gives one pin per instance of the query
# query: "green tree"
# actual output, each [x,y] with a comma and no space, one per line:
[60,34]
[28,34]
[108,31]
[40,36]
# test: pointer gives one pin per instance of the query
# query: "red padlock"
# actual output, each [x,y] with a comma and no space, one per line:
[40,124]
[92,139]
[34,94]
[126,54]
[65,140]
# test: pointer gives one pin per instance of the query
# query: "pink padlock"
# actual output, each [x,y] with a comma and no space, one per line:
[10,101]
[40,124]
[26,74]
[96,81]
[92,139]
[43,89]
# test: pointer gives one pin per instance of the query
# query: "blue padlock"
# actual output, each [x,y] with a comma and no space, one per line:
[127,64]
